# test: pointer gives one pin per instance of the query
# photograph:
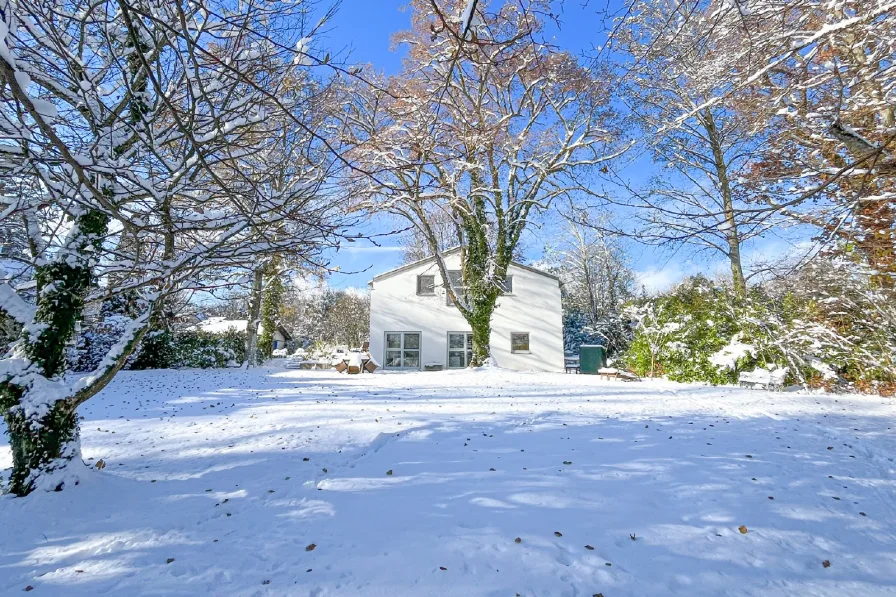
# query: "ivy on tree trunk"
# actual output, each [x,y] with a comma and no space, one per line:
[43,429]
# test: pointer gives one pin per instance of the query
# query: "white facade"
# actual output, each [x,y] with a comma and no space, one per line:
[420,326]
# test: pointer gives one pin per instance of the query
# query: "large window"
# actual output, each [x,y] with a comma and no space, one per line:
[460,349]
[519,342]
[426,285]
[402,350]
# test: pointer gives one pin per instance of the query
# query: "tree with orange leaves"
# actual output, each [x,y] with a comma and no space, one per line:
[488,129]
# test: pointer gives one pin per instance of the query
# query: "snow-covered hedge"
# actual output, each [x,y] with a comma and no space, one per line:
[828,325]
[159,349]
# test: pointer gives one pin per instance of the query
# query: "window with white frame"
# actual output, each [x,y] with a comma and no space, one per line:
[426,285]
[519,342]
[402,350]
[456,280]
[460,349]
[507,286]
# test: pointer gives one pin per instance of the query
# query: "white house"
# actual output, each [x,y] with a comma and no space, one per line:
[414,326]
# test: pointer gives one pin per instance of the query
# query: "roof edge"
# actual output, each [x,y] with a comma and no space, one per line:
[413,264]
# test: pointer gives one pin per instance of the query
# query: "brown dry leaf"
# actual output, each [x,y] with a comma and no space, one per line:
[442,568]
[558,533]
[169,560]
[100,464]
[310,547]
[518,540]
[743,529]
[389,472]
[826,563]
[589,548]
[29,588]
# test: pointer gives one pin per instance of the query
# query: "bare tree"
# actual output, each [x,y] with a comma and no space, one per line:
[597,280]
[128,113]
[671,70]
[485,131]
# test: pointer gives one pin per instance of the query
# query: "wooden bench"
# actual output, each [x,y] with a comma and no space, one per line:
[611,373]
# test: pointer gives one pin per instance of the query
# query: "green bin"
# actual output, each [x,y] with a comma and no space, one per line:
[591,358]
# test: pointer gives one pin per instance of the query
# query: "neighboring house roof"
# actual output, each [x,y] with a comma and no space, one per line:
[413,264]
[219,325]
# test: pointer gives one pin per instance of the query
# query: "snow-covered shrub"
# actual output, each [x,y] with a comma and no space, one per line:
[156,351]
[613,331]
[95,340]
[198,349]
[687,334]
[830,324]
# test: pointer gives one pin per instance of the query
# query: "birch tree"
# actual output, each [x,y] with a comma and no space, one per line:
[485,130]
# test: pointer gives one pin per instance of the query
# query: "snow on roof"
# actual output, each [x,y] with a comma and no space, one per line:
[219,325]
[414,264]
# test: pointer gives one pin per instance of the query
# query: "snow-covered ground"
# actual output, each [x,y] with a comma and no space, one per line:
[277,482]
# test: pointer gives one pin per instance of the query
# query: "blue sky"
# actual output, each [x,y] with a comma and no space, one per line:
[361,32]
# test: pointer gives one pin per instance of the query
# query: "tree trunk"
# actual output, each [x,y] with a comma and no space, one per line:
[254,318]
[42,449]
[480,320]
[728,212]
[43,430]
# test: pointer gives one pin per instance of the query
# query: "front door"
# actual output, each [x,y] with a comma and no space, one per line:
[460,349]
[402,350]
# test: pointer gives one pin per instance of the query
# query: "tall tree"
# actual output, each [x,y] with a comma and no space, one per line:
[486,130]
[126,112]
[270,311]
[671,70]
[597,282]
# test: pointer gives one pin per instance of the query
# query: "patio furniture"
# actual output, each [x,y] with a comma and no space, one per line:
[353,363]
[572,364]
[613,373]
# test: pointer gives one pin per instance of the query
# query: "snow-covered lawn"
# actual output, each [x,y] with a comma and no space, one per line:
[277,482]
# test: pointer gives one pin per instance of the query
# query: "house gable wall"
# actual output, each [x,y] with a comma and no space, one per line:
[533,307]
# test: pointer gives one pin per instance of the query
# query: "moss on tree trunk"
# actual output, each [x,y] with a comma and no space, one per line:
[44,434]
[41,446]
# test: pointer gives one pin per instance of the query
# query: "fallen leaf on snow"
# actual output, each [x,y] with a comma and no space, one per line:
[310,547]
[743,529]
[826,563]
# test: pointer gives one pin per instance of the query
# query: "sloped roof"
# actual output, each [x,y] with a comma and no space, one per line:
[413,264]
[219,325]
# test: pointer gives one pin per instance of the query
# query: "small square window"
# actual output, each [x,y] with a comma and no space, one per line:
[426,285]
[519,342]
[507,286]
